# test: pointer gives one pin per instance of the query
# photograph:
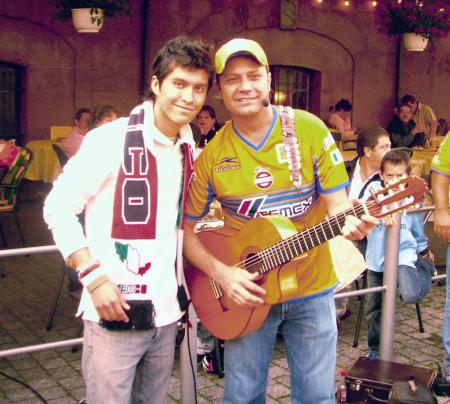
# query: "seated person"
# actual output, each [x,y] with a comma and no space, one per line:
[8,153]
[415,261]
[73,142]
[206,121]
[372,144]
[404,131]
[102,114]
[340,119]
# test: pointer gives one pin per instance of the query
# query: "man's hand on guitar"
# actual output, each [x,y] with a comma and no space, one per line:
[239,285]
[356,229]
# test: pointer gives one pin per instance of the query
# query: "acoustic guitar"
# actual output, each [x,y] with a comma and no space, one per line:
[272,247]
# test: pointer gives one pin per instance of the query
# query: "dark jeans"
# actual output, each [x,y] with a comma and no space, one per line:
[413,285]
[420,140]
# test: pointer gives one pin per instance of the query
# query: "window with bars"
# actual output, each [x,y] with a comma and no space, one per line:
[10,100]
[297,87]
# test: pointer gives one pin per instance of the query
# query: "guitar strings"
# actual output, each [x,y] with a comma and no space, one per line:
[269,252]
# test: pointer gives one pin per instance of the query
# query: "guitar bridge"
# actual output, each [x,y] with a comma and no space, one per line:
[216,289]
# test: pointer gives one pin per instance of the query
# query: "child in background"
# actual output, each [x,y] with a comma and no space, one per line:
[415,261]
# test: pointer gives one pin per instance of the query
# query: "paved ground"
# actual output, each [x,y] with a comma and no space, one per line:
[29,287]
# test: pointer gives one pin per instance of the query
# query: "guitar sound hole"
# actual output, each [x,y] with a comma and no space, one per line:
[253,263]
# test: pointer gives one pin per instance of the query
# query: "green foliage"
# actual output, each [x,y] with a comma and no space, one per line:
[111,8]
[430,18]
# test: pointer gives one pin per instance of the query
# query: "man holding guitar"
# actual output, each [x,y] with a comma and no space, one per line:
[275,171]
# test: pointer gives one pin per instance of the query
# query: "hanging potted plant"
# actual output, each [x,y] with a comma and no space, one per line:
[417,21]
[88,15]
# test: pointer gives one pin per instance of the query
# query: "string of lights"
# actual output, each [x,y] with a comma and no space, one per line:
[345,3]
[349,3]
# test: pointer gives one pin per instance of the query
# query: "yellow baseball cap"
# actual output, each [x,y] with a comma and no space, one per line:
[239,46]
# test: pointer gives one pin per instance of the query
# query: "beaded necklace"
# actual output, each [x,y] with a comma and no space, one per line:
[291,146]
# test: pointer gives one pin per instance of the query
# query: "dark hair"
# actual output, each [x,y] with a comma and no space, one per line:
[407,98]
[368,137]
[80,112]
[182,51]
[210,110]
[396,157]
[343,105]
[99,112]
[403,104]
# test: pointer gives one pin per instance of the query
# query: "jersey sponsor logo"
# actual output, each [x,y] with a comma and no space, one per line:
[281,154]
[250,207]
[336,157]
[254,207]
[288,210]
[227,164]
[263,178]
[132,289]
[328,141]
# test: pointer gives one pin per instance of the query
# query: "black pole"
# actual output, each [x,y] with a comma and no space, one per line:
[144,47]
[398,69]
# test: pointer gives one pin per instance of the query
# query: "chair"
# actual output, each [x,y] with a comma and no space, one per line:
[63,158]
[9,189]
[58,132]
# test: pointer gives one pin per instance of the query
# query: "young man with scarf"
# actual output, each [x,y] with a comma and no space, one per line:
[131,177]
[255,169]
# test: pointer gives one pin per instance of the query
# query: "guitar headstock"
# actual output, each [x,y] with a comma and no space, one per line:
[397,197]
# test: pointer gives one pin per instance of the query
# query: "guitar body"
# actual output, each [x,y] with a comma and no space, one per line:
[221,316]
[272,247]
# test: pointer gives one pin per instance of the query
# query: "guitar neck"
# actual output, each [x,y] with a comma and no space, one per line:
[298,244]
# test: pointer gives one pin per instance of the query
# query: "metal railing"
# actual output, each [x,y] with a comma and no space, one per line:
[188,352]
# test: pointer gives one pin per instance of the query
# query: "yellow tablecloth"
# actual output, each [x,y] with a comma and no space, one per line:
[421,161]
[44,166]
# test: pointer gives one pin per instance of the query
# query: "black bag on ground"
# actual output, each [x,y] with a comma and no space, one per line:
[405,393]
[370,381]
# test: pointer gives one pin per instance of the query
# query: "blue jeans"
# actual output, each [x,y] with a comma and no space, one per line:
[446,336]
[413,286]
[127,366]
[310,334]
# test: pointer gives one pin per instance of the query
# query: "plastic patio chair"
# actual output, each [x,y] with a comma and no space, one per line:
[63,158]
[9,189]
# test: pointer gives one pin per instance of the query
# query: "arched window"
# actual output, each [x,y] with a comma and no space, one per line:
[297,87]
[10,100]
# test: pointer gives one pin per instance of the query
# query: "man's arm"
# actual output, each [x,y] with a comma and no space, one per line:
[354,228]
[440,186]
[107,299]
[237,283]
[82,179]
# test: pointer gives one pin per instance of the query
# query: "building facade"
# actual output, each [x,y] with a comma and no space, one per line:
[319,52]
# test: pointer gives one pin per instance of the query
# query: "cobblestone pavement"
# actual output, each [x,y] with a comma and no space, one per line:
[28,289]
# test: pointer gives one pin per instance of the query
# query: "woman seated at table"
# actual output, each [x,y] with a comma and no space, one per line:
[404,131]
[340,119]
[102,114]
[86,121]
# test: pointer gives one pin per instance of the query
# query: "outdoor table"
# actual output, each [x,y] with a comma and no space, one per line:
[44,165]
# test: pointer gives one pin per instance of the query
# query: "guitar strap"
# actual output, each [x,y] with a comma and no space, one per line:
[291,146]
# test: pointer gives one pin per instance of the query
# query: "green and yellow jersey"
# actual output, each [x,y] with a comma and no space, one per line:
[254,180]
[441,160]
